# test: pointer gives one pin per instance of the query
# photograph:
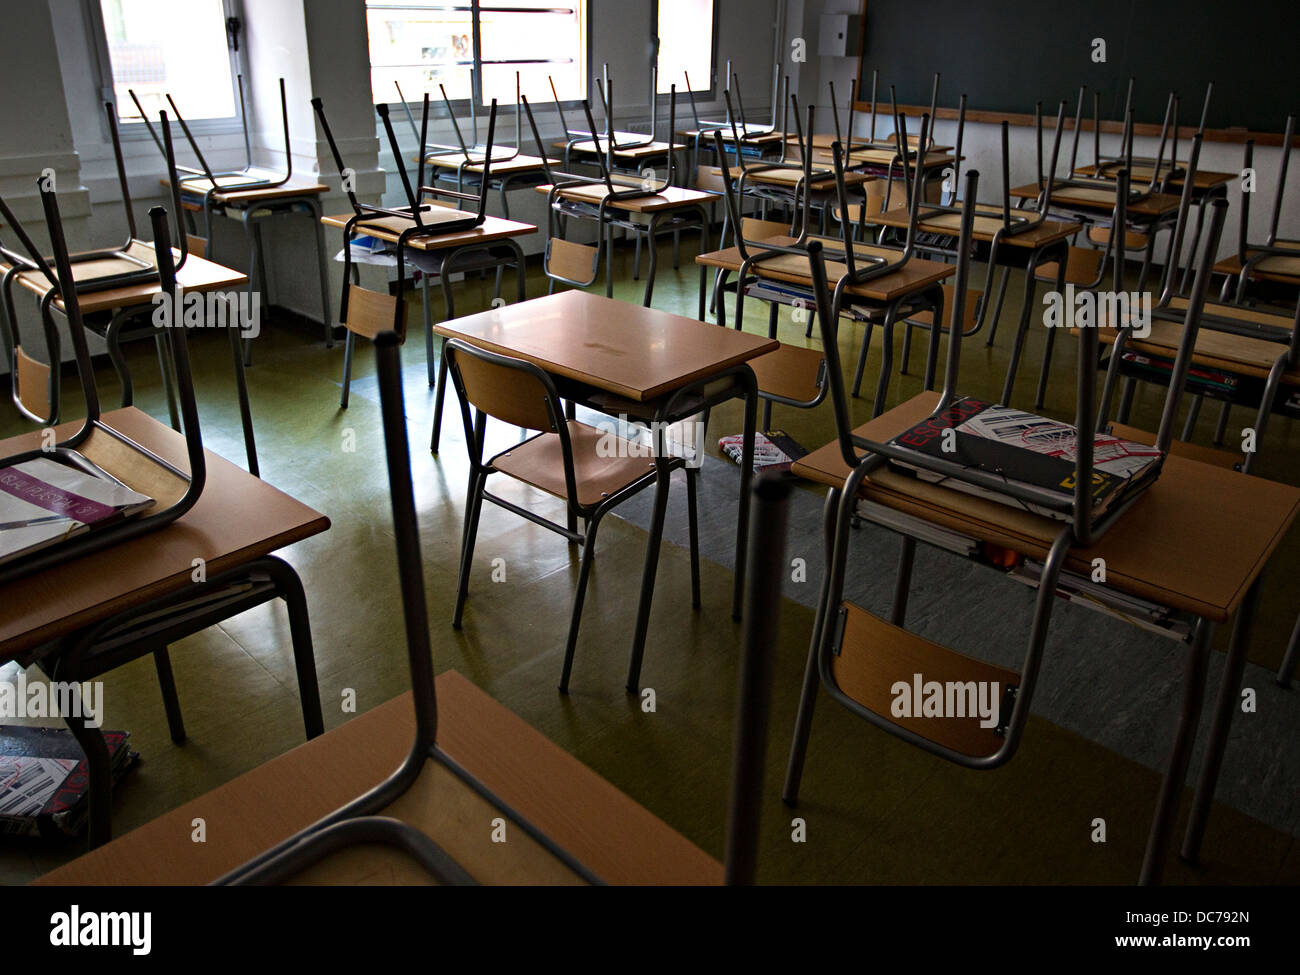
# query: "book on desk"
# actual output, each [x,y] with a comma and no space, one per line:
[1027,449]
[43,502]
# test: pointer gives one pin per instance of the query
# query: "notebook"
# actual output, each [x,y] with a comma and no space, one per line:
[44,501]
[1025,449]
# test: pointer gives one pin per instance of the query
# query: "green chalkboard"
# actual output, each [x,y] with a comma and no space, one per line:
[1005,55]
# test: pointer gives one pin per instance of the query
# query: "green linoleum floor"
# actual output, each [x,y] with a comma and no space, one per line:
[875,809]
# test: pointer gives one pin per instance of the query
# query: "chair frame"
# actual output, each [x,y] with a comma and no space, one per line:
[205,172]
[1081,531]
[590,515]
[28,260]
[66,450]
[361,820]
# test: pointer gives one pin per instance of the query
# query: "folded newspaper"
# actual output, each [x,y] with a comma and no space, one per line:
[43,501]
[1024,449]
[773,451]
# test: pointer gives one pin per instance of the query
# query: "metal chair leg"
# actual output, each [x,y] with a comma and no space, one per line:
[1224,706]
[348,342]
[1221,428]
[171,701]
[290,590]
[1287,670]
[692,490]
[1180,755]
[811,675]
[473,506]
[1193,414]
[99,829]
[575,620]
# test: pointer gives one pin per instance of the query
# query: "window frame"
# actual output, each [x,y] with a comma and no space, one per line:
[713,91]
[474,8]
[132,130]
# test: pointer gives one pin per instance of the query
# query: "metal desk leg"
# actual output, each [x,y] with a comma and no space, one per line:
[428,322]
[1287,670]
[254,262]
[609,260]
[746,479]
[112,338]
[886,361]
[654,259]
[166,366]
[1018,347]
[1225,705]
[322,259]
[1180,755]
[1050,339]
[245,409]
[997,306]
[662,480]
[903,580]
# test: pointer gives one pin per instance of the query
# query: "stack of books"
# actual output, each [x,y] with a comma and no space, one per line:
[1024,449]
[44,780]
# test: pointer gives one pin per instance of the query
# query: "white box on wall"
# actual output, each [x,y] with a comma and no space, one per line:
[839,35]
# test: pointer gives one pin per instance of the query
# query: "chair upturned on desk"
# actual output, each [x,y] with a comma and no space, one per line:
[493,240]
[76,620]
[251,207]
[1196,542]
[122,304]
[601,826]
[640,215]
[519,172]
[1029,250]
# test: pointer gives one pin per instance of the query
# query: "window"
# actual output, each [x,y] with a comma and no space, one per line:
[686,42]
[160,47]
[474,49]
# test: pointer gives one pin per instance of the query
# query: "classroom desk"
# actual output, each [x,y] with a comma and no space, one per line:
[761,147]
[634,159]
[1157,552]
[885,298]
[522,170]
[1207,185]
[824,140]
[648,364]
[610,833]
[1048,241]
[122,304]
[785,185]
[1278,269]
[237,523]
[492,241]
[300,195]
[643,216]
[1147,216]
